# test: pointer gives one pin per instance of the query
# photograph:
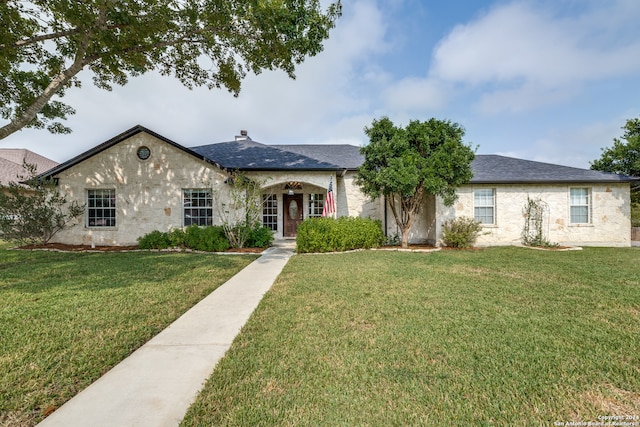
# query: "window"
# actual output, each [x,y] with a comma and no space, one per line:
[101,208]
[198,207]
[316,205]
[270,211]
[484,205]
[580,202]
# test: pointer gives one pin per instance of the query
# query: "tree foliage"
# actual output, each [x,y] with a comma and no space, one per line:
[35,211]
[44,44]
[624,156]
[407,164]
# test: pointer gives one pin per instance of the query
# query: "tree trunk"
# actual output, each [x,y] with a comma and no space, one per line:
[405,237]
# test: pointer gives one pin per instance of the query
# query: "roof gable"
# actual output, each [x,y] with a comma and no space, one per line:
[115,140]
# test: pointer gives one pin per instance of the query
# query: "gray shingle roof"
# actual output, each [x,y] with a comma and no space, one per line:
[251,155]
[344,155]
[489,168]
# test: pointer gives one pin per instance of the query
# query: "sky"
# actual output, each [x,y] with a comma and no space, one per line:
[544,80]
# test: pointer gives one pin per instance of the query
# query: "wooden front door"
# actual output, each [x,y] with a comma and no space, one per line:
[292,214]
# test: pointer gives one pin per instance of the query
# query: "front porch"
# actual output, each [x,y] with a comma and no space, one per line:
[285,205]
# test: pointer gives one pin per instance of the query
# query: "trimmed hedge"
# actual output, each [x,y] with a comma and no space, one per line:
[209,239]
[335,235]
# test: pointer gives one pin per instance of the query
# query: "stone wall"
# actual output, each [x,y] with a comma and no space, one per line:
[148,192]
[609,217]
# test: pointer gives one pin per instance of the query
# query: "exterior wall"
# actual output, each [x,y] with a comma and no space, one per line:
[148,193]
[423,230]
[610,223]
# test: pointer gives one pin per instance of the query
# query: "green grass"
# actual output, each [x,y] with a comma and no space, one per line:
[67,318]
[500,336]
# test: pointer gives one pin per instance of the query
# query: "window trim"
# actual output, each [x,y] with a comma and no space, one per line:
[196,220]
[272,199]
[492,206]
[588,205]
[112,196]
[315,207]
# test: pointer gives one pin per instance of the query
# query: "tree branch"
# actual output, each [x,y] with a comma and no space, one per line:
[54,86]
[40,38]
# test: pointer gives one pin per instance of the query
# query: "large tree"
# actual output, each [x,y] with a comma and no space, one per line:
[405,165]
[44,44]
[624,156]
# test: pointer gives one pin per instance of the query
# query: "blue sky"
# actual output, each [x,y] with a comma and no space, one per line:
[551,81]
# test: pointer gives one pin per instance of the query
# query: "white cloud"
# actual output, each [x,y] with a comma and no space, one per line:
[527,56]
[417,94]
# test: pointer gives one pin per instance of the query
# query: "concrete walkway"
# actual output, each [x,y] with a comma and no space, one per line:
[156,384]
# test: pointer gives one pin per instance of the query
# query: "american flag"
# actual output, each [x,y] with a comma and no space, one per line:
[329,204]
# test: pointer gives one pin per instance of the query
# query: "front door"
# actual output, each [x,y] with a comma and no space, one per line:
[292,214]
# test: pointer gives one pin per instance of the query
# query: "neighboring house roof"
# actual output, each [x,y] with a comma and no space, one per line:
[494,169]
[13,159]
[246,154]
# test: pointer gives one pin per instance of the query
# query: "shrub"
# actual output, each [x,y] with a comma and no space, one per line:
[342,234]
[635,214]
[209,239]
[461,232]
[260,237]
[154,240]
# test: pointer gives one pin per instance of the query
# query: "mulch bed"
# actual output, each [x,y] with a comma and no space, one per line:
[88,248]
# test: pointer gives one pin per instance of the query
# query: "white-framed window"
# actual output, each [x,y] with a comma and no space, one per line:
[580,205]
[316,205]
[270,211]
[198,207]
[484,205]
[101,208]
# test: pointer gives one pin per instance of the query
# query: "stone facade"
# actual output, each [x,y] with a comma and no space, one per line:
[149,195]
[148,192]
[609,213]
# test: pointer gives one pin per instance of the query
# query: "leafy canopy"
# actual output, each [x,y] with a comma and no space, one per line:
[425,156]
[407,164]
[624,156]
[44,44]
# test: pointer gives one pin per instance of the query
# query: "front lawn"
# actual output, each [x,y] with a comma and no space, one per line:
[67,318]
[499,336]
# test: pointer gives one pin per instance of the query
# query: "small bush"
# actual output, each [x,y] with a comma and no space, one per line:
[635,214]
[342,234]
[154,240]
[209,239]
[461,232]
[260,237]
